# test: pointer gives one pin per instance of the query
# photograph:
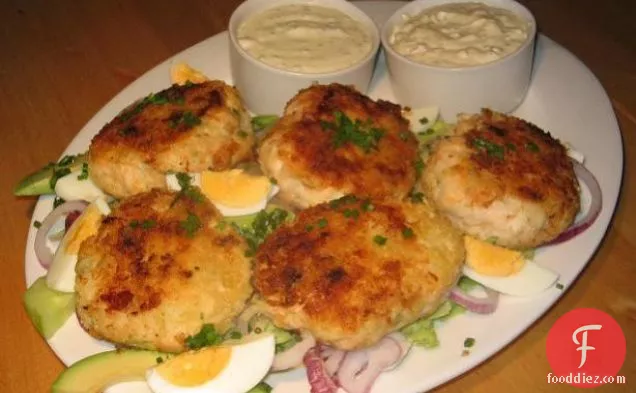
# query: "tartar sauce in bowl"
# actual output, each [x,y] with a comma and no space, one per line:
[305,38]
[459,34]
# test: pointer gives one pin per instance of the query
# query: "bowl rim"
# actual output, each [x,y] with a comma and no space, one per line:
[346,7]
[416,6]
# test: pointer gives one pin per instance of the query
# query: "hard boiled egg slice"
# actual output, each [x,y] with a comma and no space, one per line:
[222,369]
[233,192]
[77,185]
[505,270]
[421,119]
[61,274]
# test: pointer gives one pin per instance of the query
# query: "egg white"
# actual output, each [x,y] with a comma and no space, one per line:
[530,280]
[61,273]
[71,188]
[249,363]
[226,211]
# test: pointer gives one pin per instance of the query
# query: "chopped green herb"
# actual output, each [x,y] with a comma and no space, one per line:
[511,146]
[322,223]
[559,286]
[57,201]
[159,360]
[84,174]
[221,225]
[351,213]
[379,240]
[186,118]
[242,134]
[363,135]
[309,228]
[37,224]
[233,335]
[145,224]
[367,206]
[528,254]
[263,224]
[188,83]
[187,189]
[273,181]
[416,197]
[191,224]
[423,120]
[492,240]
[419,166]
[407,233]
[469,342]
[531,146]
[347,199]
[184,180]
[263,122]
[261,388]
[492,149]
[206,337]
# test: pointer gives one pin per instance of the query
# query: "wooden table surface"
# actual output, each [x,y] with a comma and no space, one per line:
[62,61]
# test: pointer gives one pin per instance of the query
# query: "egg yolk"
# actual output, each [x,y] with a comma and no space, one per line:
[181,73]
[491,260]
[195,368]
[86,225]
[234,188]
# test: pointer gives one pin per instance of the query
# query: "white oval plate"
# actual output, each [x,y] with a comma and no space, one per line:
[565,98]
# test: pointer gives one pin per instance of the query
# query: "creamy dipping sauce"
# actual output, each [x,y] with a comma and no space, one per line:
[459,35]
[305,38]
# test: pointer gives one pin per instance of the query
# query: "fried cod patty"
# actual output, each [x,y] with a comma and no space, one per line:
[504,179]
[332,141]
[158,268]
[185,128]
[352,270]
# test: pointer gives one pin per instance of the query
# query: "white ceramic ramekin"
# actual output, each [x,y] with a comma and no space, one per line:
[266,89]
[501,85]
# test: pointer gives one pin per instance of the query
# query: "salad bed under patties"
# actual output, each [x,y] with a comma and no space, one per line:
[161,265]
[352,270]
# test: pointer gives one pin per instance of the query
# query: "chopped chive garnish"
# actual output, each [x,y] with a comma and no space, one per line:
[322,223]
[469,342]
[379,240]
[407,233]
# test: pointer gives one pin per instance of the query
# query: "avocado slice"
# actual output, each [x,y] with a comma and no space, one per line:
[48,309]
[97,372]
[43,181]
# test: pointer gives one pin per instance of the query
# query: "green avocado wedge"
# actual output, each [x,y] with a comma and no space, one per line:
[97,372]
[48,309]
[43,181]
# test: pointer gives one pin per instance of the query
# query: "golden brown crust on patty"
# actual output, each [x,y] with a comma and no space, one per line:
[188,128]
[304,146]
[352,270]
[497,162]
[158,268]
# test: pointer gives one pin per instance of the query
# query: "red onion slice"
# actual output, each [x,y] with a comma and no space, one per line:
[361,368]
[593,212]
[333,359]
[404,345]
[479,305]
[293,357]
[319,381]
[42,251]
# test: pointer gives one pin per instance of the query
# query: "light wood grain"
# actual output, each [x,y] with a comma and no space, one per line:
[62,61]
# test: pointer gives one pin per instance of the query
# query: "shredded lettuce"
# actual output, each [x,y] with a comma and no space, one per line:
[438,129]
[422,332]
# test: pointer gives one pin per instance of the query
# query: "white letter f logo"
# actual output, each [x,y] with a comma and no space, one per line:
[584,347]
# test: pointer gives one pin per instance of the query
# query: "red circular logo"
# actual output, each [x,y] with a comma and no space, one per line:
[585,348]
